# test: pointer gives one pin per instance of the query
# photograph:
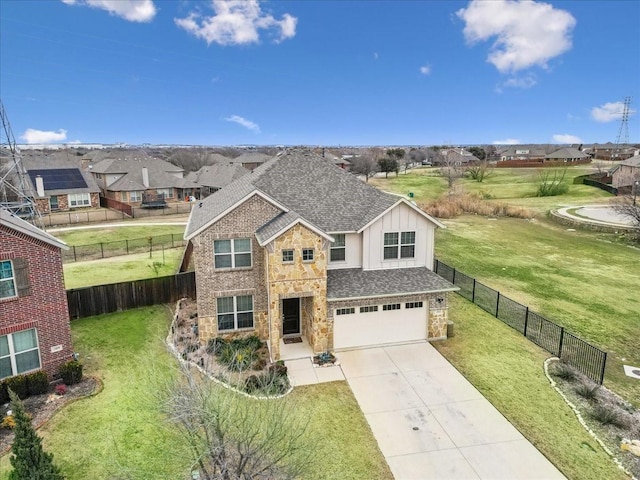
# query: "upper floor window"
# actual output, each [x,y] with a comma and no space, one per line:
[287,256]
[338,249]
[233,253]
[307,254]
[399,245]
[19,353]
[7,280]
[235,312]
[79,200]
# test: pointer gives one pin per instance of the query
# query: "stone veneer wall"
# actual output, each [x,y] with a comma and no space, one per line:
[242,222]
[437,314]
[307,280]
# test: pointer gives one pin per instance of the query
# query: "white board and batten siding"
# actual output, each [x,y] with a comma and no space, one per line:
[402,218]
[379,328]
[353,242]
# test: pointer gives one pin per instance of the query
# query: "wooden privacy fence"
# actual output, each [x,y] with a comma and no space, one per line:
[116,297]
[586,358]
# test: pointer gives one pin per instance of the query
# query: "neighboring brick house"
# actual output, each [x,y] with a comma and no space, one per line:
[627,173]
[302,248]
[60,184]
[566,155]
[134,180]
[34,317]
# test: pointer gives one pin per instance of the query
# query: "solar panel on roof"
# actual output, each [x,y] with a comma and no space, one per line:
[59,178]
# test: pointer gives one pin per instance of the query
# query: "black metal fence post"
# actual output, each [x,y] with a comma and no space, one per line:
[560,342]
[473,293]
[526,320]
[604,363]
[453,278]
[497,303]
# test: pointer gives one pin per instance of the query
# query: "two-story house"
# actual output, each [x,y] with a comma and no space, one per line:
[302,248]
[34,317]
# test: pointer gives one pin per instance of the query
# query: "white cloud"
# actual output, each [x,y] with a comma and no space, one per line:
[508,141]
[425,70]
[248,124]
[609,112]
[237,22]
[566,138]
[32,135]
[376,56]
[132,10]
[527,33]
[526,81]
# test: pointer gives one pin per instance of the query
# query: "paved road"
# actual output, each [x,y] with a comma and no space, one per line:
[430,422]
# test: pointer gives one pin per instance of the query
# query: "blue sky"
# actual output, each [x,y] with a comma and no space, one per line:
[319,72]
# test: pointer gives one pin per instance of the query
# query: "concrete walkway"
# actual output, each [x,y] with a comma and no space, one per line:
[431,423]
[603,215]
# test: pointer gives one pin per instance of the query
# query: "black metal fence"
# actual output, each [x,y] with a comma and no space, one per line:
[95,251]
[116,297]
[581,355]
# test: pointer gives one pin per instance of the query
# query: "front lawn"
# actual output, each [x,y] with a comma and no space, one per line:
[118,433]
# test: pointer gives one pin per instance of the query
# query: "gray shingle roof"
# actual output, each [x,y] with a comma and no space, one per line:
[161,174]
[218,175]
[276,225]
[631,162]
[323,194]
[567,152]
[15,223]
[55,162]
[358,283]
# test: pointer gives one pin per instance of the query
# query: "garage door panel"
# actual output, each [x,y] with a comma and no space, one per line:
[375,328]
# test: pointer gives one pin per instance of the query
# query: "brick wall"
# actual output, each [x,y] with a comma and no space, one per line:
[242,222]
[45,305]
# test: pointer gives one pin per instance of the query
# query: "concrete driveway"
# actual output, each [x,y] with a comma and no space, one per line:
[431,423]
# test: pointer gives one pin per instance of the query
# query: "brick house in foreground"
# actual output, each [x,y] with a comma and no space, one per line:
[302,248]
[34,317]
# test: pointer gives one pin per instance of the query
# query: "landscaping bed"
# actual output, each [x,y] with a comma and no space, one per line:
[240,362]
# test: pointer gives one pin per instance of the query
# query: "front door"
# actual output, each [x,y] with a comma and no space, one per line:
[291,316]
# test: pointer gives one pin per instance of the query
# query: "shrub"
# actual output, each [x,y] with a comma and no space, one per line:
[71,372]
[61,389]
[267,383]
[234,358]
[564,371]
[259,364]
[37,383]
[278,369]
[587,392]
[214,345]
[607,416]
[8,422]
[4,394]
[19,385]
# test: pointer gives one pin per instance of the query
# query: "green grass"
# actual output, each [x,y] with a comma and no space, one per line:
[508,370]
[121,269]
[90,236]
[120,432]
[516,186]
[580,280]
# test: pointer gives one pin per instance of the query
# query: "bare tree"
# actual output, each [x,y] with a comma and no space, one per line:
[551,182]
[398,154]
[190,159]
[364,165]
[629,205]
[416,156]
[451,169]
[229,436]
[479,170]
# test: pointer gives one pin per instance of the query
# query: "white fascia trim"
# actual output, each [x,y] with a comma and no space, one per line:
[232,207]
[294,223]
[409,204]
[391,295]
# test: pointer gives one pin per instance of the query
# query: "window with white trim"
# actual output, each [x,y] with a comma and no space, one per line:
[79,200]
[287,256]
[235,312]
[345,311]
[399,245]
[307,254]
[413,305]
[233,253]
[165,192]
[19,353]
[7,280]
[391,306]
[338,249]
[369,308]
[135,196]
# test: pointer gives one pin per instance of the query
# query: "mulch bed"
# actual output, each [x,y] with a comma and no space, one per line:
[43,407]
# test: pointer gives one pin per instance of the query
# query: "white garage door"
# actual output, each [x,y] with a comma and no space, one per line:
[364,328]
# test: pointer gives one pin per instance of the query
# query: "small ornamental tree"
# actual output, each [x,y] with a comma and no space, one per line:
[28,458]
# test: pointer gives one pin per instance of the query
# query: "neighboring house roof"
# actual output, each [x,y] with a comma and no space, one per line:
[323,194]
[218,158]
[252,157]
[567,152]
[60,174]
[161,174]
[9,220]
[218,175]
[357,283]
[631,162]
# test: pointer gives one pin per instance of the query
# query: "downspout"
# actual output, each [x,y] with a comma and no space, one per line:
[266,251]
